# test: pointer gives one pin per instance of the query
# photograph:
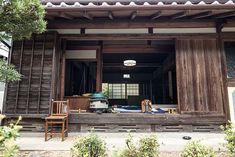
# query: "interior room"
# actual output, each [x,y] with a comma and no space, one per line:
[132,71]
[130,76]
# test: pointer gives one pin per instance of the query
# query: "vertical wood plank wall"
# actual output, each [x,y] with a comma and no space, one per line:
[199,76]
[34,60]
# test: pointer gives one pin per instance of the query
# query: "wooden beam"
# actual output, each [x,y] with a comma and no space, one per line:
[133,15]
[110,15]
[200,15]
[137,36]
[87,15]
[65,15]
[178,15]
[137,49]
[124,23]
[142,118]
[156,15]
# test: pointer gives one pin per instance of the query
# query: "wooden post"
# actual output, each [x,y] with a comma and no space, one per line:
[224,92]
[53,70]
[99,68]
[62,76]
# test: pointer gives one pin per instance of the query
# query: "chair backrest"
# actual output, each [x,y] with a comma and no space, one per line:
[59,108]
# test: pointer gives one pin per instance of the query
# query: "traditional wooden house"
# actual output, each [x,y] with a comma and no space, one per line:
[181,55]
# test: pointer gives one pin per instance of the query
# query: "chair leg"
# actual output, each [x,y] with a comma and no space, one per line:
[46,130]
[67,127]
[63,130]
[51,131]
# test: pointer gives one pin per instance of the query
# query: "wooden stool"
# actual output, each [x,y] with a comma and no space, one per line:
[59,115]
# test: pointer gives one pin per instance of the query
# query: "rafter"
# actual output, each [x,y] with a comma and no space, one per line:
[133,15]
[65,15]
[178,15]
[87,15]
[156,15]
[110,14]
[201,15]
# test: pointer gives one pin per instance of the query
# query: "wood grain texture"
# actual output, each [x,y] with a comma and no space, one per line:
[199,75]
[33,59]
[143,118]
[78,102]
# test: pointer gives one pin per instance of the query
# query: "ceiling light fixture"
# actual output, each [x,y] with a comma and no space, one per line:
[127,76]
[129,63]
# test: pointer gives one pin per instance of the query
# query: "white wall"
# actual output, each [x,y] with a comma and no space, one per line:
[231,95]
[2,87]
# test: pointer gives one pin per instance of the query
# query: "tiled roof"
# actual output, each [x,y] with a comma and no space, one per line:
[136,3]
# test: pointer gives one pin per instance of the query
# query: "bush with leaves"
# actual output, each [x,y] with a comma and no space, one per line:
[229,131]
[146,147]
[20,18]
[8,135]
[89,146]
[8,72]
[196,149]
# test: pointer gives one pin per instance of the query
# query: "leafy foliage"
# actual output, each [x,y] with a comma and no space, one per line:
[21,18]
[8,72]
[196,149]
[229,131]
[146,147]
[89,146]
[8,135]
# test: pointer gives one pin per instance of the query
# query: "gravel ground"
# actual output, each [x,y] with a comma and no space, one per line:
[171,144]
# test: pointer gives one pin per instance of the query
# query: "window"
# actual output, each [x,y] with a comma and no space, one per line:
[120,90]
[132,89]
[229,48]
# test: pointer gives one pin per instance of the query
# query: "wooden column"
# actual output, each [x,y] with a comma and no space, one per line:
[99,58]
[220,41]
[62,76]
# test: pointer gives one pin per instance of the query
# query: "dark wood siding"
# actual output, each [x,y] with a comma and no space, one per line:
[35,60]
[199,76]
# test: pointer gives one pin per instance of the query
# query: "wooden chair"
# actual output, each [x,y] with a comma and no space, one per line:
[58,115]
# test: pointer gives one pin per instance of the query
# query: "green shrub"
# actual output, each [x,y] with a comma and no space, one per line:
[229,131]
[196,149]
[8,135]
[89,146]
[146,147]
